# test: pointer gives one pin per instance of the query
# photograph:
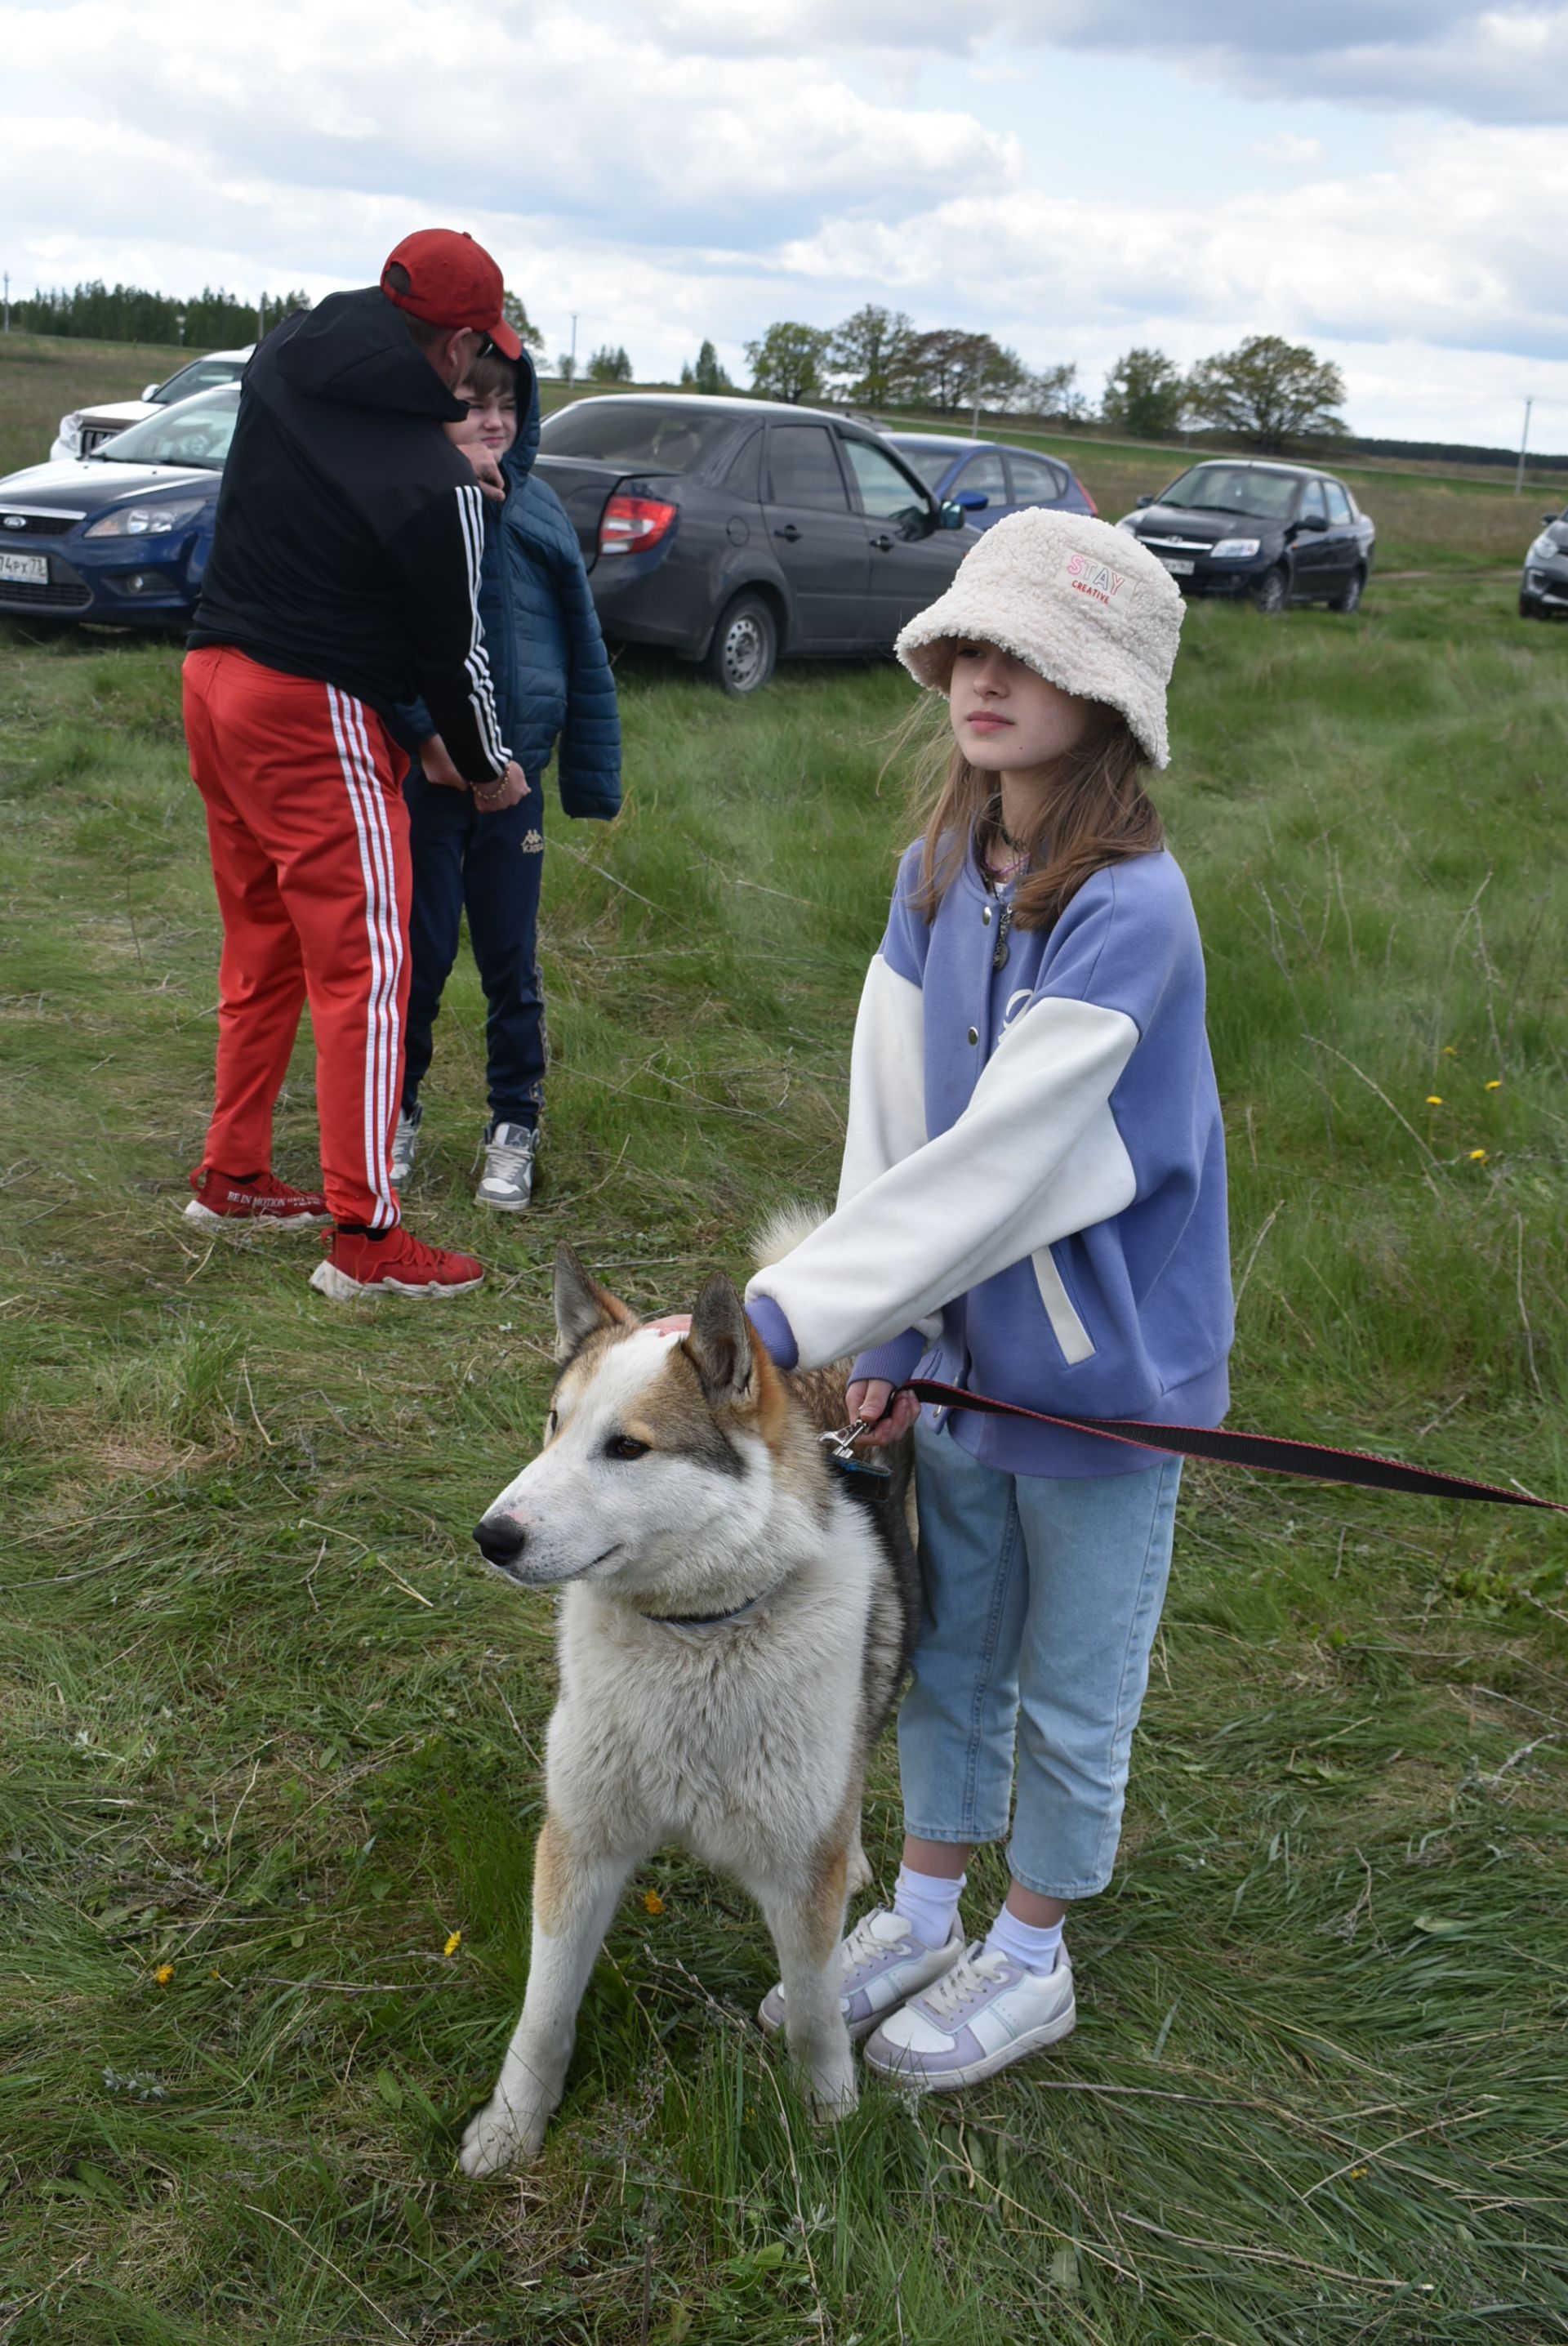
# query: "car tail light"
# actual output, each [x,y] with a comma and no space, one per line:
[632,525]
[1089,501]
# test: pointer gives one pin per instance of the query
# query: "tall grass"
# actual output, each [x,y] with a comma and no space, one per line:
[264,1723]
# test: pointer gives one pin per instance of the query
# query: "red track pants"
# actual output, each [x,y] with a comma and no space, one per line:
[309,834]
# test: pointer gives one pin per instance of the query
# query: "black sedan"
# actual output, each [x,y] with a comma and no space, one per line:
[736,531]
[122,536]
[1543,587]
[1278,533]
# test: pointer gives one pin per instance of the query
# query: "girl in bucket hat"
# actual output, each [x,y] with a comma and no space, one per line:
[1032,1206]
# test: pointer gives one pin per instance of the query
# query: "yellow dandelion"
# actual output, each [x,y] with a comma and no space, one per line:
[1434,1099]
[1495,1084]
[652,1903]
[164,1973]
[1478,1155]
[1357,2173]
[1449,1052]
[453,1940]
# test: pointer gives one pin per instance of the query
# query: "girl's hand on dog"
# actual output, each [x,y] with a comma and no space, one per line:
[868,1397]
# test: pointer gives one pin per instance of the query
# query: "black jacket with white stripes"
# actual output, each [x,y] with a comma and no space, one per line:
[350,529]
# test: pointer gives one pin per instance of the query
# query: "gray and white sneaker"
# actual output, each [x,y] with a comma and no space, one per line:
[405,1140]
[507,1181]
[984,2012]
[883,1963]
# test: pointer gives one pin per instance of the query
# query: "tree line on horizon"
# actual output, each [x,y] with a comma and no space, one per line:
[1268,390]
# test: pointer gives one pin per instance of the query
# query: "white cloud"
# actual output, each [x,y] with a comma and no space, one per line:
[1290,148]
[667,192]
[1506,63]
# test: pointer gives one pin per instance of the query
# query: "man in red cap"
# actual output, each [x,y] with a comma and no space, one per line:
[343,581]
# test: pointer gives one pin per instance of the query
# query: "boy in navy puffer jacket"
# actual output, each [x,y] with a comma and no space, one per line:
[553,684]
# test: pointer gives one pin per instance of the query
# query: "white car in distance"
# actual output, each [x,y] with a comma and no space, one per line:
[86,428]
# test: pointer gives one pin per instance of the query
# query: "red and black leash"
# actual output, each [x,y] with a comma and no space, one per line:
[1265,1452]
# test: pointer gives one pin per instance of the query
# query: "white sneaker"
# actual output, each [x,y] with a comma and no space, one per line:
[984,2014]
[507,1181]
[405,1140]
[883,1963]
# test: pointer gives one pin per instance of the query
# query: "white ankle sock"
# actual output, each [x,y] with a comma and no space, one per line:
[1035,1948]
[929,1905]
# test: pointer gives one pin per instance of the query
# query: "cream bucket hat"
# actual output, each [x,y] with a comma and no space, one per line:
[1082,603]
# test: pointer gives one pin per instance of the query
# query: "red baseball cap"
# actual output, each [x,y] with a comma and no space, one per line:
[451,281]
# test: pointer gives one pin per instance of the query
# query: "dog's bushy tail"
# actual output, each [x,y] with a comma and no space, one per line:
[784,1231]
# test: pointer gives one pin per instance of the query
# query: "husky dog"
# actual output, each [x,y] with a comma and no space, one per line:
[736,1616]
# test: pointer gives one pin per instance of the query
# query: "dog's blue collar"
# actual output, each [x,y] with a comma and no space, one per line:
[705,1620]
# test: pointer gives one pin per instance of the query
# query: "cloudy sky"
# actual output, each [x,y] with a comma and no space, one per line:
[1387,179]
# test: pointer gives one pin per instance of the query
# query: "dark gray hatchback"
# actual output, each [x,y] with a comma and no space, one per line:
[736,531]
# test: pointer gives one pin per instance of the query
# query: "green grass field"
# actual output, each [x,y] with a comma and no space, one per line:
[270,1738]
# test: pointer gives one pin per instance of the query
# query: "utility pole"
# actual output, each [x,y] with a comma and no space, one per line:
[262,319]
[7,300]
[1523,443]
[572,377]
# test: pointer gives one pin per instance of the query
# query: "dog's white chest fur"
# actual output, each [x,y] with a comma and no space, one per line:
[741,1741]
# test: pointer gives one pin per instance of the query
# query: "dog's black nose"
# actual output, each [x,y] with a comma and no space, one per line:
[502,1541]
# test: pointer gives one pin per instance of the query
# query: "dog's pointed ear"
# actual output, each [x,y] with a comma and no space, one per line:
[720,1345]
[582,1306]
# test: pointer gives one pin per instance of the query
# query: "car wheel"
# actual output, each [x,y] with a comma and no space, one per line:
[744,646]
[1350,600]
[1272,592]
[1529,608]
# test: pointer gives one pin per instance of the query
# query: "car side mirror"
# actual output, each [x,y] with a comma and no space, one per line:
[1142,501]
[151,388]
[951,514]
[971,500]
[1550,518]
[1312,521]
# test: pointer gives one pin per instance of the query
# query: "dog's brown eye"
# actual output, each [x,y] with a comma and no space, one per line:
[621,1445]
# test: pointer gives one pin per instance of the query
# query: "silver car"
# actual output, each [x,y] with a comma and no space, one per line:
[1543,588]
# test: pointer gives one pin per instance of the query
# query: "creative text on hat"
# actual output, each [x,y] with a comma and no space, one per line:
[1096,579]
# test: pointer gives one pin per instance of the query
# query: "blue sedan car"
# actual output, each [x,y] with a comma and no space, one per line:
[122,536]
[990,481]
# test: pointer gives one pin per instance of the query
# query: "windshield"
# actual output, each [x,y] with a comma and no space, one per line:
[1234,488]
[197,431]
[201,374]
[644,433]
[930,463]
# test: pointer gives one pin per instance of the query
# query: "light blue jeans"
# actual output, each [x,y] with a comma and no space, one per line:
[1042,1600]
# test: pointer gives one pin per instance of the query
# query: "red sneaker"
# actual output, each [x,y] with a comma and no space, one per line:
[396,1264]
[264,1204]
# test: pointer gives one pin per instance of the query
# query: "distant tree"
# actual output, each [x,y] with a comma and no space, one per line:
[940,369]
[788,363]
[1268,390]
[1053,392]
[705,374]
[610,364]
[566,367]
[1145,394]
[866,353]
[1001,378]
[522,325]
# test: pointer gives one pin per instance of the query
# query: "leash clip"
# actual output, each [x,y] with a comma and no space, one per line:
[841,1449]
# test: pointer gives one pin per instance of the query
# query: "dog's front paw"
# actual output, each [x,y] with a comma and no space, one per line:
[835,2089]
[499,2134]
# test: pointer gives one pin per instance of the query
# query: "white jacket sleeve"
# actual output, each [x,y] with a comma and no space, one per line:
[886,1079]
[1035,1157]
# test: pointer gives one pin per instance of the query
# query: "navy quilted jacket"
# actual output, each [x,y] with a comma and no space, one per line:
[552,675]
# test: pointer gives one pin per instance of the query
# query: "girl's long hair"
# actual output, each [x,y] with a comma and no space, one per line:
[1095,811]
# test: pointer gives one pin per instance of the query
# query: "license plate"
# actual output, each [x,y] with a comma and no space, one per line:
[24,569]
[1181,569]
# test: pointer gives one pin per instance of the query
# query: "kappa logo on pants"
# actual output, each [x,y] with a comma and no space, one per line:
[533,843]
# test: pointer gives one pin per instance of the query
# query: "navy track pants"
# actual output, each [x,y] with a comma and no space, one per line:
[488,865]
